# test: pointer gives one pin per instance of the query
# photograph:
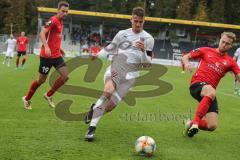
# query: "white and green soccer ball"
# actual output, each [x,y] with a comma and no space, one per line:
[145,146]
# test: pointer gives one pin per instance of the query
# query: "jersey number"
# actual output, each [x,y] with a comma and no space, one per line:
[45,69]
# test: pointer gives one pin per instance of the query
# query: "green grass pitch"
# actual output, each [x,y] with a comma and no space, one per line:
[40,135]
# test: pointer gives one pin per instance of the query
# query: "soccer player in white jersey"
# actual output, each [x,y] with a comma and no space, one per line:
[237,59]
[132,48]
[11,46]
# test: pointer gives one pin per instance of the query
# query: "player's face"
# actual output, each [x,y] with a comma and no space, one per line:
[137,23]
[22,33]
[225,44]
[63,11]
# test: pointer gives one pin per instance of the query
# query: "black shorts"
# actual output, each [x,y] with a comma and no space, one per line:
[47,63]
[195,91]
[21,53]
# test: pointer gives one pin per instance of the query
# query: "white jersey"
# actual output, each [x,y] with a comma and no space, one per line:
[11,43]
[237,54]
[125,43]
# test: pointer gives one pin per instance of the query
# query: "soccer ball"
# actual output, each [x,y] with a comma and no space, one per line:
[145,146]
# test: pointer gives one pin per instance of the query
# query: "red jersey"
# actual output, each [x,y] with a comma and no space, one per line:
[94,50]
[212,66]
[22,44]
[54,37]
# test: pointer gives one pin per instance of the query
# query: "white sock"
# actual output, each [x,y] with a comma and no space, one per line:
[235,84]
[8,62]
[98,110]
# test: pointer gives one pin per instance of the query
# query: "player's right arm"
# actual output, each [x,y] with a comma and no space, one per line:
[17,44]
[186,61]
[46,29]
[194,54]
[15,47]
[111,48]
[43,38]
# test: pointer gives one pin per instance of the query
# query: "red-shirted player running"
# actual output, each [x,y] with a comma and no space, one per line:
[214,63]
[51,55]
[22,42]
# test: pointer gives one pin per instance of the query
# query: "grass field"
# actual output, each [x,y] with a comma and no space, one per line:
[39,135]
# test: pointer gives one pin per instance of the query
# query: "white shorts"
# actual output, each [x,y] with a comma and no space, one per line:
[123,85]
[10,53]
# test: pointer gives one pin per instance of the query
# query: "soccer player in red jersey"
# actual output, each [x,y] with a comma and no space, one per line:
[214,64]
[22,42]
[51,55]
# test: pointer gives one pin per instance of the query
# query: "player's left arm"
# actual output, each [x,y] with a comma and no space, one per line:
[146,47]
[62,52]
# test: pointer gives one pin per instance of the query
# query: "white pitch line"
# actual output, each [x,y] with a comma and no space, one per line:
[227,94]
[13,69]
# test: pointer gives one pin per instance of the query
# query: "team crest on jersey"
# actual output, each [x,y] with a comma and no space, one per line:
[195,50]
[48,23]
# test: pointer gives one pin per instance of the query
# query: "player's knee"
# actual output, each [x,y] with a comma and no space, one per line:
[107,94]
[109,108]
[212,127]
[64,78]
[41,81]
[212,94]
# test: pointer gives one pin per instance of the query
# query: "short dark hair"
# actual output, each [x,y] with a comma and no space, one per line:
[63,3]
[138,11]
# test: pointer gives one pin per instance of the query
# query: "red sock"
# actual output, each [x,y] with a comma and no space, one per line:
[58,83]
[32,90]
[17,61]
[202,109]
[203,124]
[23,61]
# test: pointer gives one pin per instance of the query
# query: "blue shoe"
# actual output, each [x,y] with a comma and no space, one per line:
[90,133]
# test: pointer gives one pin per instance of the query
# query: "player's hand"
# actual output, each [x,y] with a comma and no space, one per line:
[47,51]
[62,52]
[188,67]
[140,45]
